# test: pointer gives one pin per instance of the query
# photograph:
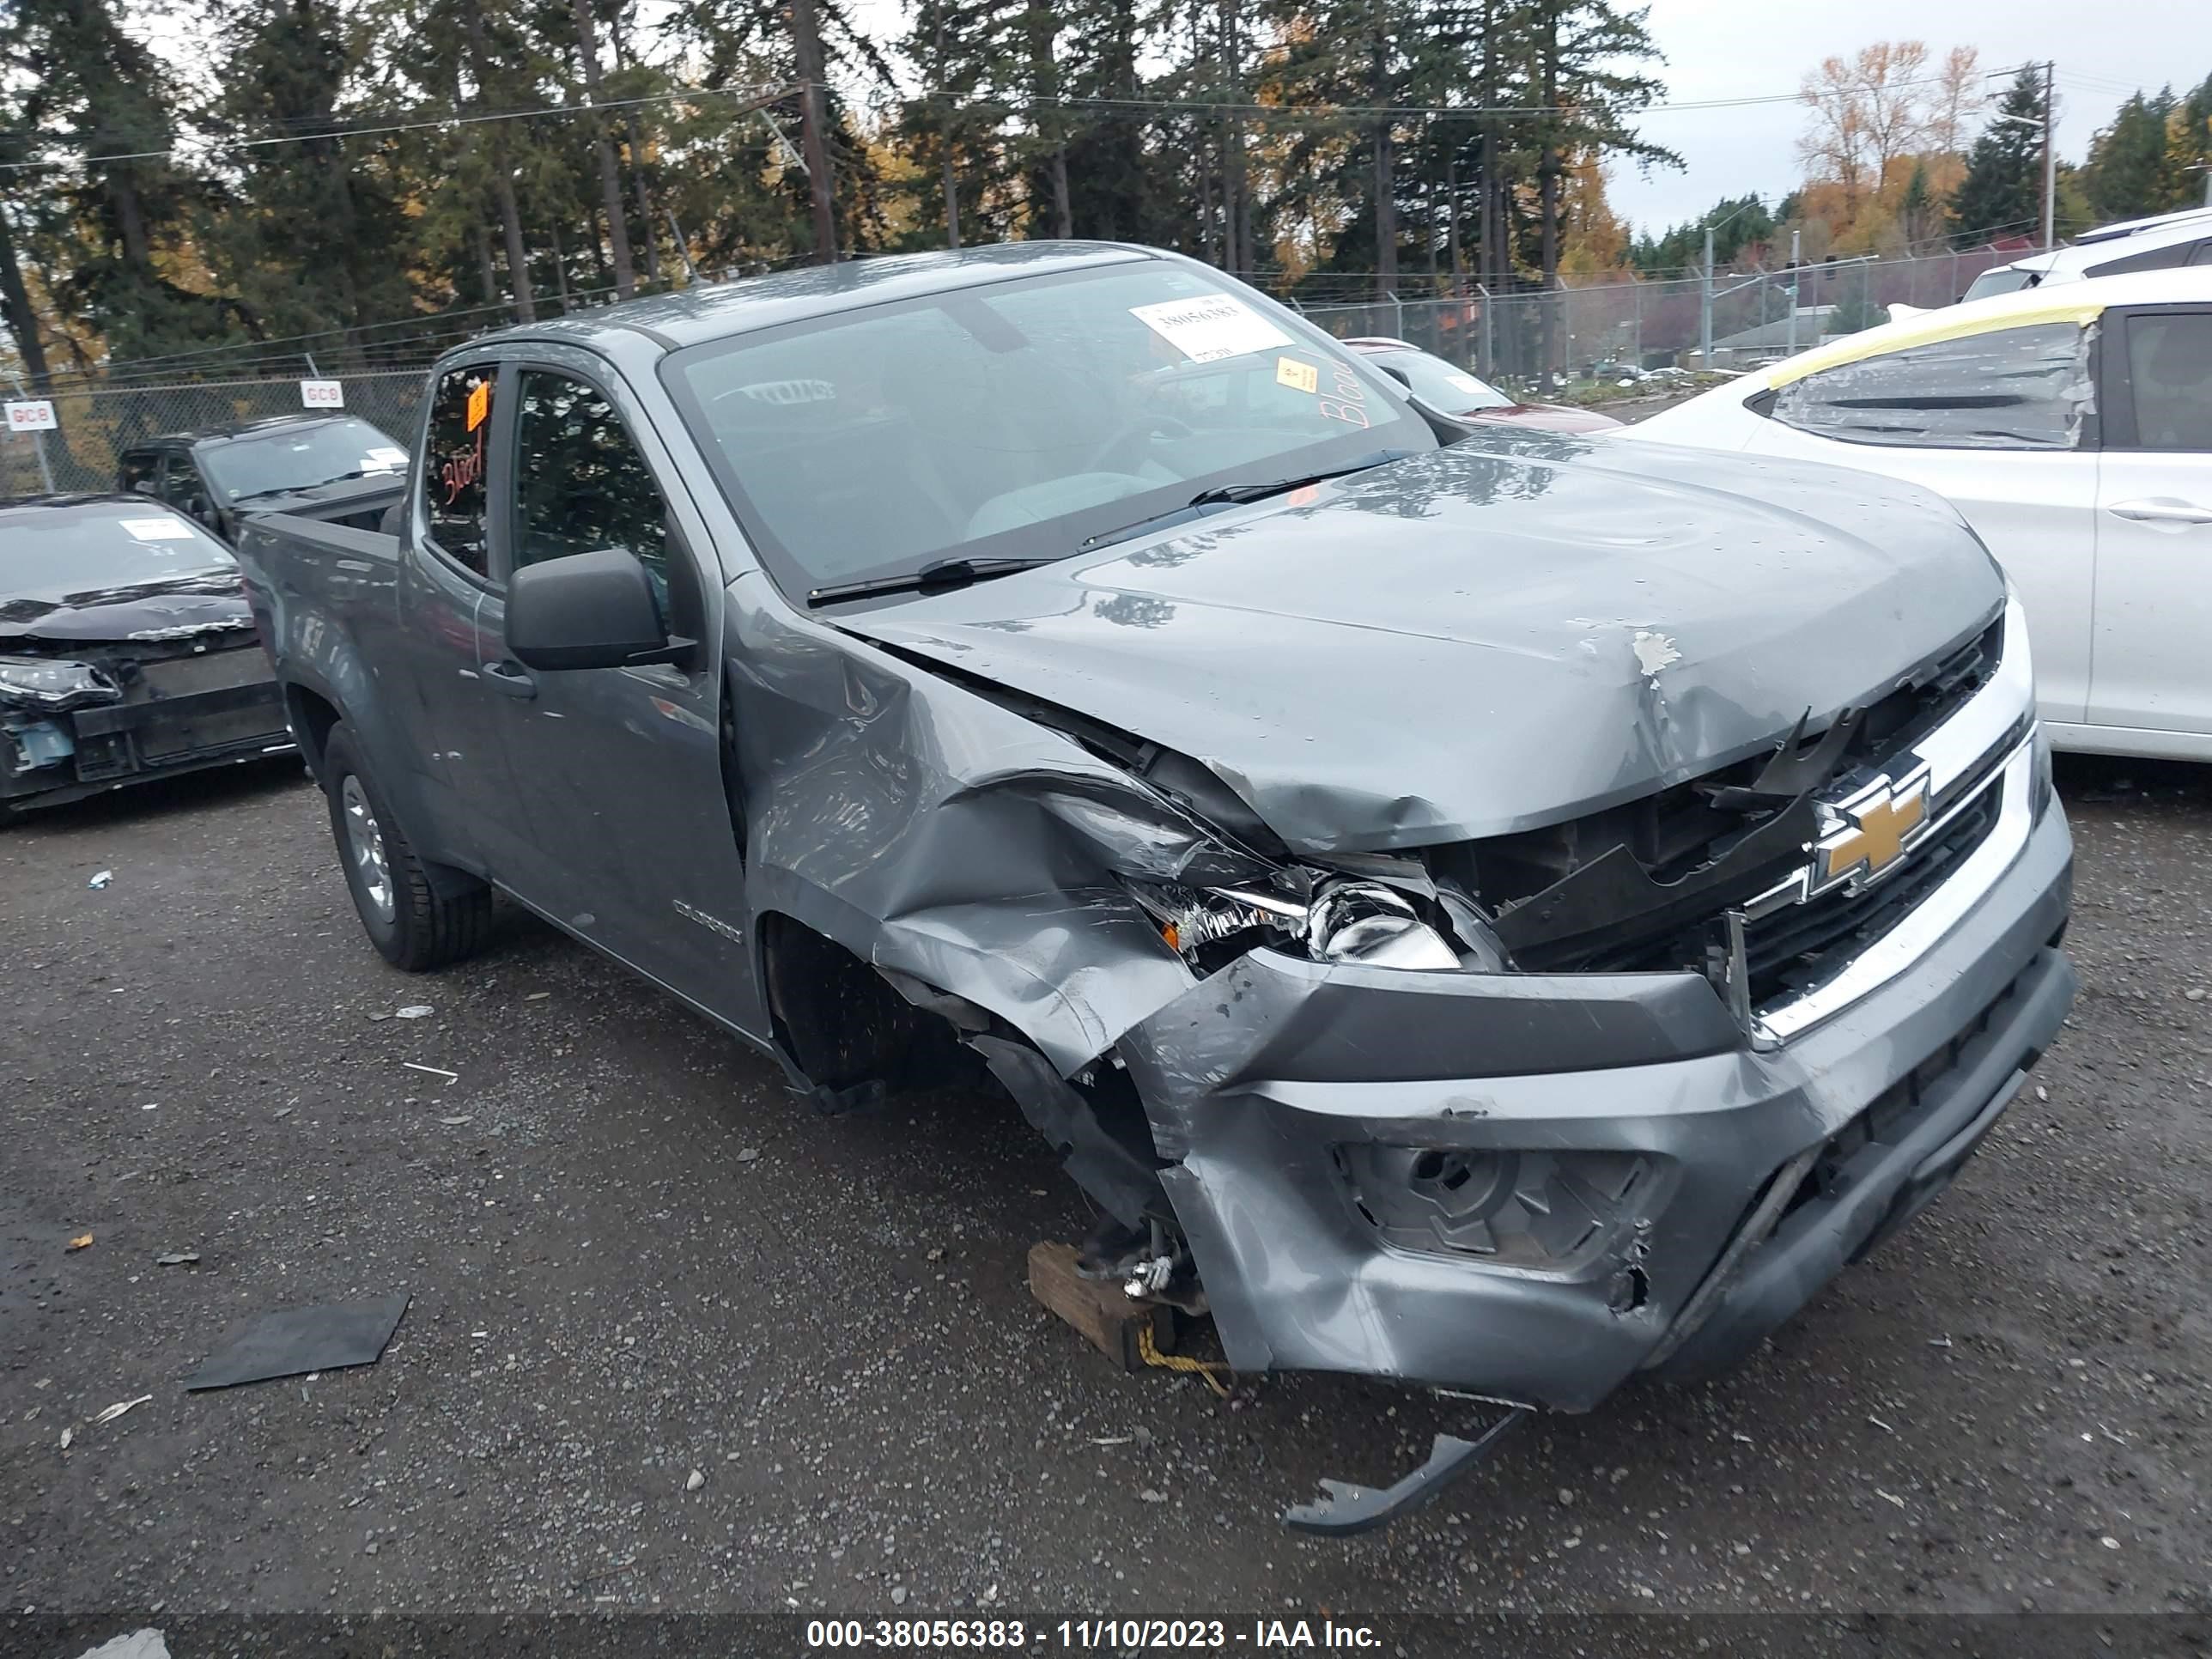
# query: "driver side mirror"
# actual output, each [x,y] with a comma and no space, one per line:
[588,610]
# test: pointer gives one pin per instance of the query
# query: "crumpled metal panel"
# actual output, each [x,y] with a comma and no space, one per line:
[911,820]
[1490,638]
[1514,631]
[2013,388]
[1254,1076]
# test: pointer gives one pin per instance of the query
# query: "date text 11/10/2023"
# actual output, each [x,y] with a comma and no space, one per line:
[1084,1635]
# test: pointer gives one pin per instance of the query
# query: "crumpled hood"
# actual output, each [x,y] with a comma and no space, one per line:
[174,607]
[1507,633]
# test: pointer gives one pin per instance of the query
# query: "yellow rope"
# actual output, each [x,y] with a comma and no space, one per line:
[1148,1351]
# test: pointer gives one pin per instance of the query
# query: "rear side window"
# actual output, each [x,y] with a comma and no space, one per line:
[140,468]
[2013,388]
[2170,380]
[2152,258]
[181,486]
[454,492]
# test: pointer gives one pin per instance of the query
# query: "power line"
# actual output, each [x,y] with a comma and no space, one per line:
[440,122]
[1277,110]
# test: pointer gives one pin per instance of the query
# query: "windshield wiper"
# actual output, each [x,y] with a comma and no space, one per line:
[1235,494]
[1240,492]
[939,577]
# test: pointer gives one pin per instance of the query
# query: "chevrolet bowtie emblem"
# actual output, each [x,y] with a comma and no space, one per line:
[1879,825]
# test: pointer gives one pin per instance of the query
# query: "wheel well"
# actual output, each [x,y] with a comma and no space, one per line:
[311,716]
[842,1024]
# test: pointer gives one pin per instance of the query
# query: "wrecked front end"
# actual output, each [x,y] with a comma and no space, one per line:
[79,715]
[1518,1114]
[1752,1025]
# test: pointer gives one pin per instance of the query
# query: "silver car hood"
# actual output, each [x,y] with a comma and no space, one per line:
[1504,634]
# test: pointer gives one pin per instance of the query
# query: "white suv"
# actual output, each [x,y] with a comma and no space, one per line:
[2072,427]
[2157,244]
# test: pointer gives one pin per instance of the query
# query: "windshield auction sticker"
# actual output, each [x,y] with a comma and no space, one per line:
[1211,328]
[1299,377]
[159,530]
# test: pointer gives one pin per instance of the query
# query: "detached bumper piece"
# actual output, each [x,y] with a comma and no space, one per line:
[1351,1508]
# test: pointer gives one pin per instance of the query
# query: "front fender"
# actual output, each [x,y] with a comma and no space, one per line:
[902,816]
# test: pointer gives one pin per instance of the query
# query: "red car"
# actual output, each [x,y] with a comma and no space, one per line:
[1454,392]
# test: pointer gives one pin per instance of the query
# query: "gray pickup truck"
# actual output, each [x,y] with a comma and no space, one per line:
[1489,909]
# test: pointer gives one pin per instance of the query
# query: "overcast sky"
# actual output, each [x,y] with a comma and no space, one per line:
[1734,48]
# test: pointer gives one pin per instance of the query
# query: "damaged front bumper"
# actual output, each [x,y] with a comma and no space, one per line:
[1531,1187]
[179,715]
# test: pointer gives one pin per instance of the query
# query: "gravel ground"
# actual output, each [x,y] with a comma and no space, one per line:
[675,1342]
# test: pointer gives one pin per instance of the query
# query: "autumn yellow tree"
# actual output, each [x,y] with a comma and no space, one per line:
[1881,144]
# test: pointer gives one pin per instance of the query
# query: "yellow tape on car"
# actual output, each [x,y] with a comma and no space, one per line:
[1952,323]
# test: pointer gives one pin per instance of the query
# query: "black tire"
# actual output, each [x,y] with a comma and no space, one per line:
[423,918]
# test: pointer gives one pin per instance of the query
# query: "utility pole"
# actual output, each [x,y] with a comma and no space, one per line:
[1706,306]
[806,44]
[951,176]
[1796,276]
[2050,155]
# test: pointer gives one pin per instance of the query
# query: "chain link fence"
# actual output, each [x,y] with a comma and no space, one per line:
[1513,338]
[97,424]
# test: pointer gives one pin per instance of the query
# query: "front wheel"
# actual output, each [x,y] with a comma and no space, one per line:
[417,918]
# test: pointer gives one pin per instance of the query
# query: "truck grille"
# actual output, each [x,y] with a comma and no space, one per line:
[1791,949]
[1716,845]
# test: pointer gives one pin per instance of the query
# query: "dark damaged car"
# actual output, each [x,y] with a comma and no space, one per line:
[126,650]
[1508,917]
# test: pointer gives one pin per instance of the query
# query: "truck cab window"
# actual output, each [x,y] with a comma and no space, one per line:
[454,493]
[579,482]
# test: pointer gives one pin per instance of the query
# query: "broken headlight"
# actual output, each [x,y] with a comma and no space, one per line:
[1367,921]
[39,683]
[1332,918]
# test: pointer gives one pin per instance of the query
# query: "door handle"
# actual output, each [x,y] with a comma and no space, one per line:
[511,677]
[2162,509]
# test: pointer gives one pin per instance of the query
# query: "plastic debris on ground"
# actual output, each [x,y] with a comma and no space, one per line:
[149,1644]
[415,1010]
[119,1407]
[176,1258]
[81,1242]
[100,880]
[298,1340]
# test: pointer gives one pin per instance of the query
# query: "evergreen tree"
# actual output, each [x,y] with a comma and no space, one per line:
[118,218]
[2127,173]
[2188,148]
[302,235]
[2003,191]
[1738,222]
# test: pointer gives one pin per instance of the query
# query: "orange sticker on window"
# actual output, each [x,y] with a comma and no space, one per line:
[1299,377]
[479,404]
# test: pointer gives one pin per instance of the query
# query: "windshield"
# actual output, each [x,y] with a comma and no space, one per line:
[298,457]
[1015,420]
[1440,385]
[2005,279]
[55,551]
